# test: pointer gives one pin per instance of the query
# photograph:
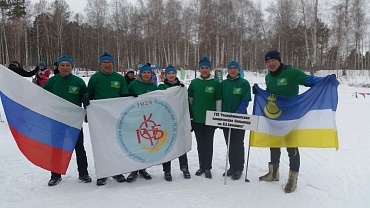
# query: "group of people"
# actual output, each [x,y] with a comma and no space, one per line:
[205,93]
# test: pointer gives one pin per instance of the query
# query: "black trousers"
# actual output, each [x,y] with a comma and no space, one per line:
[183,159]
[80,157]
[204,135]
[294,158]
[236,149]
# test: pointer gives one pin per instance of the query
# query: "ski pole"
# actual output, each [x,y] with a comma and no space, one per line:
[246,167]
[227,155]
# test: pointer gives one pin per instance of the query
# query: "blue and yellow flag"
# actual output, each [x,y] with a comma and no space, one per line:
[306,120]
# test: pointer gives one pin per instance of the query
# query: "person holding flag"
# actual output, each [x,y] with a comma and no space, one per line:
[105,84]
[61,85]
[171,80]
[236,94]
[284,80]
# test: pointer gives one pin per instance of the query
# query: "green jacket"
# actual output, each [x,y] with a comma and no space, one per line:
[204,94]
[103,86]
[138,87]
[287,82]
[233,92]
[70,88]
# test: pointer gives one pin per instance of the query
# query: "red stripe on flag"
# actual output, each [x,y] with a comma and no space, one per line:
[42,155]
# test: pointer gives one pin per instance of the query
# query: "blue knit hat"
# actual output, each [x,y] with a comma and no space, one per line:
[169,68]
[272,55]
[144,68]
[65,58]
[106,56]
[205,62]
[41,63]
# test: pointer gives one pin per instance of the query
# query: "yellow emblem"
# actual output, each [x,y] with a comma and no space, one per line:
[271,110]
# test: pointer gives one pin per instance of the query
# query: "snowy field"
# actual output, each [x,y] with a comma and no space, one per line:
[327,178]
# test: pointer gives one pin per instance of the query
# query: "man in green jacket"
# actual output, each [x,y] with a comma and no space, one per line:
[236,94]
[71,88]
[105,84]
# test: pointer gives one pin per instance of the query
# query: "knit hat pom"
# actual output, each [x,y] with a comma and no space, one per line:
[65,58]
[205,62]
[106,56]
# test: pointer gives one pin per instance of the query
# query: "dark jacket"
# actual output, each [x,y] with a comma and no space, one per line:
[128,79]
[21,71]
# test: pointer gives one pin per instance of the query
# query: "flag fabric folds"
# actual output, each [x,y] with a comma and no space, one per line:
[306,120]
[44,126]
[131,133]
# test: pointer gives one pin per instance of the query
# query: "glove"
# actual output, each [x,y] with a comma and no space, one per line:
[334,75]
[254,90]
[85,118]
[192,124]
[129,95]
[182,85]
[86,99]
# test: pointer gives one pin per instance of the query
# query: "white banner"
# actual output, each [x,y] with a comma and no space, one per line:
[232,120]
[131,133]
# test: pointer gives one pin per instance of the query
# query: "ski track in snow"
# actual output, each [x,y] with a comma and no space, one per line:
[327,178]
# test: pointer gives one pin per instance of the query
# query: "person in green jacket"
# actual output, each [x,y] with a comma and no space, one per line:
[284,80]
[236,94]
[61,85]
[170,81]
[105,84]
[204,94]
[144,83]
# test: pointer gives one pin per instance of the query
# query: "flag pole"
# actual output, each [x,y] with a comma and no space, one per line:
[227,155]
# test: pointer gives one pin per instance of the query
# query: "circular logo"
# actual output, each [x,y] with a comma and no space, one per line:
[147,130]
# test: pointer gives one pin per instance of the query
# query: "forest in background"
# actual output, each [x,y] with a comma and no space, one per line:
[310,34]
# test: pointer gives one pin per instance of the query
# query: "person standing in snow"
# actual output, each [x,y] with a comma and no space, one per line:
[144,83]
[284,80]
[16,67]
[55,70]
[236,94]
[204,94]
[60,85]
[170,81]
[43,75]
[105,84]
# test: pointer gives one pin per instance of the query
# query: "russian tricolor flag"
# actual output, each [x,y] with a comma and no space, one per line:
[44,126]
[306,120]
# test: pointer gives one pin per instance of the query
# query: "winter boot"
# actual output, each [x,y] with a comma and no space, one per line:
[85,178]
[101,181]
[229,172]
[272,175]
[236,175]
[132,176]
[199,172]
[145,174]
[119,178]
[292,182]
[54,181]
[167,176]
[208,174]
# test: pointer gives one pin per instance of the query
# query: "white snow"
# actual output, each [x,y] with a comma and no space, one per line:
[327,178]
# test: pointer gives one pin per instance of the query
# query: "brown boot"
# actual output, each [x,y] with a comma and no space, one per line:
[292,182]
[272,175]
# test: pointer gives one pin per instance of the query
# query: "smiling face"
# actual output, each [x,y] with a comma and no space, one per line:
[106,66]
[272,64]
[171,76]
[65,68]
[146,75]
[205,71]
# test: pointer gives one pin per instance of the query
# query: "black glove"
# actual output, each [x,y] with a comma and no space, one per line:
[192,124]
[85,118]
[182,85]
[86,99]
[334,75]
[254,89]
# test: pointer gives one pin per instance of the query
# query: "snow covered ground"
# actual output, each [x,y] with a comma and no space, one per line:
[327,178]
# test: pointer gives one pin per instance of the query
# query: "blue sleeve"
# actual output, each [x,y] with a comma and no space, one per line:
[311,81]
[243,106]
